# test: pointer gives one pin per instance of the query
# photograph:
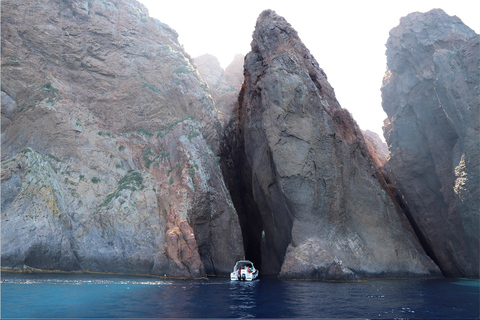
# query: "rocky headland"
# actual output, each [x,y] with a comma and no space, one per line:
[431,96]
[121,153]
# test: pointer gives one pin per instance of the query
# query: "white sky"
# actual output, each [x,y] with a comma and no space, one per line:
[347,38]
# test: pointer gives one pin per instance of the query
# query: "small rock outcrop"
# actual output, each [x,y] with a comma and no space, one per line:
[110,142]
[312,203]
[431,96]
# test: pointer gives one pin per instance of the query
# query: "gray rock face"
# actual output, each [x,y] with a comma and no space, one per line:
[10,190]
[318,206]
[9,108]
[431,96]
[110,146]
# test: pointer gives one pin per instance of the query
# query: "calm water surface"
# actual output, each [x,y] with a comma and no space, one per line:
[110,296]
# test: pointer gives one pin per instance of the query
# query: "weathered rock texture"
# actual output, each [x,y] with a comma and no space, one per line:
[313,200]
[223,92]
[110,144]
[431,96]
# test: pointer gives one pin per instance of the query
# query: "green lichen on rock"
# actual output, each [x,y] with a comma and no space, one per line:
[144,132]
[133,181]
[146,156]
[192,135]
[151,87]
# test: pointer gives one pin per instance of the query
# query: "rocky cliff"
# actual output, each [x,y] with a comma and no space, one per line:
[311,201]
[122,154]
[431,96]
[110,142]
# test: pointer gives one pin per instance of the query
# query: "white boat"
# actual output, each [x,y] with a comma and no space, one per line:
[244,270]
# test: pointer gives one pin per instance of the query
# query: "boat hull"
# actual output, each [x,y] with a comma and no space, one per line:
[243,275]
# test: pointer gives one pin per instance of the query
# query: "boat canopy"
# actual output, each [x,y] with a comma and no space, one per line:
[243,264]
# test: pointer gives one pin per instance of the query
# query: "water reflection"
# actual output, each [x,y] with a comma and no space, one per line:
[186,299]
[262,298]
[243,298]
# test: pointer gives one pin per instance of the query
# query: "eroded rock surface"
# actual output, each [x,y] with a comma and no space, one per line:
[110,144]
[317,204]
[431,96]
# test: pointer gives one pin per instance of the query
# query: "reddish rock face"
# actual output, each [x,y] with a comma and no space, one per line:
[431,96]
[313,200]
[110,145]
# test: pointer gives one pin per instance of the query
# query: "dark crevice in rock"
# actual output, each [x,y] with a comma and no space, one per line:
[251,224]
[266,236]
[315,81]
[266,224]
[233,162]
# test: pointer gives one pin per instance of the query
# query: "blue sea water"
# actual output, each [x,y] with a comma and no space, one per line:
[115,296]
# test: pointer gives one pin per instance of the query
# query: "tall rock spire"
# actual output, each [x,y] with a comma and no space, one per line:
[321,207]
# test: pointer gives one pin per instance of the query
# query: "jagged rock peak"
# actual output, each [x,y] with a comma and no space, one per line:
[269,23]
[274,38]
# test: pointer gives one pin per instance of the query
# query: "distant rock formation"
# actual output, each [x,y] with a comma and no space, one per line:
[431,96]
[234,71]
[378,149]
[223,92]
[311,201]
[110,143]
